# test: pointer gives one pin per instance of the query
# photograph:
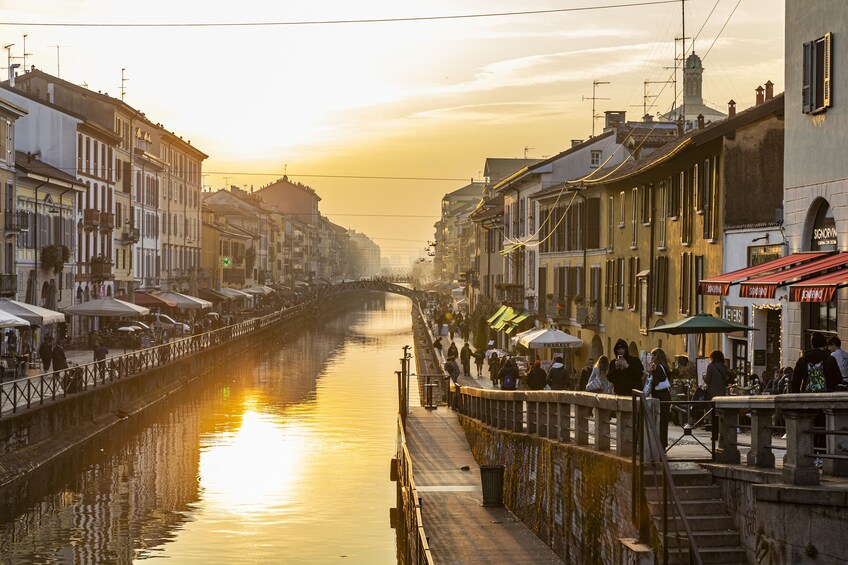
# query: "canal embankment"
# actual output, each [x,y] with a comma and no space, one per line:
[47,415]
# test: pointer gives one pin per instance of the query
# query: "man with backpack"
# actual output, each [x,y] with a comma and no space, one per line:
[816,370]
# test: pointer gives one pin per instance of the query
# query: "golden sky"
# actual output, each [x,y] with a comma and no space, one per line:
[414,99]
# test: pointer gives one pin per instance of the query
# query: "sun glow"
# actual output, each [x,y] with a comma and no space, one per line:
[254,470]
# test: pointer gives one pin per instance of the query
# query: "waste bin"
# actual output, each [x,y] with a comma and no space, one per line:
[492,477]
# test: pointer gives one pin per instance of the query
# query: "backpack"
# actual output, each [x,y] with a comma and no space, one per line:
[815,377]
[508,381]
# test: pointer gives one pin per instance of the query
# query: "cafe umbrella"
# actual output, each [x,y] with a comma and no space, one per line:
[701,324]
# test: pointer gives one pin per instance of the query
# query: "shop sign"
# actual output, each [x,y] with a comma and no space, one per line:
[825,236]
[738,314]
[757,291]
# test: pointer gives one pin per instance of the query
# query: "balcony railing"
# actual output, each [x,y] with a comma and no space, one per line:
[130,235]
[101,270]
[91,219]
[588,313]
[8,285]
[16,221]
[511,293]
[107,221]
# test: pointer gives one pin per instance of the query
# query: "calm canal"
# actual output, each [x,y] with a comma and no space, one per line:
[283,457]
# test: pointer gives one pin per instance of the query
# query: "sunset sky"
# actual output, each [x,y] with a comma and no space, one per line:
[422,100]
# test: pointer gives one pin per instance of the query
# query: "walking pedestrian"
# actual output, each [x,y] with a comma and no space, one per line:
[494,367]
[834,345]
[452,368]
[453,351]
[657,385]
[45,352]
[625,373]
[100,353]
[585,373]
[557,374]
[508,375]
[536,378]
[479,357]
[816,370]
[717,376]
[465,357]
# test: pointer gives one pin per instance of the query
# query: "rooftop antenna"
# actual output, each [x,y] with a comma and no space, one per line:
[8,49]
[226,183]
[25,55]
[58,67]
[526,149]
[123,84]
[593,98]
[646,96]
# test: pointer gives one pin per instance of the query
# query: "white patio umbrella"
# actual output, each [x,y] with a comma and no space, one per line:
[11,321]
[549,338]
[185,301]
[35,315]
[258,290]
[107,307]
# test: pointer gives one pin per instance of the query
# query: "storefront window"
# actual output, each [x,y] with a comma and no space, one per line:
[823,317]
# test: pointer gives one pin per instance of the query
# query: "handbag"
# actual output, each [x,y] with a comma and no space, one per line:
[665,383]
[595,384]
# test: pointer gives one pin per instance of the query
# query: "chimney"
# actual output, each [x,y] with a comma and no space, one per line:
[760,98]
[648,119]
[700,121]
[613,119]
[681,126]
[769,90]
[576,142]
[731,108]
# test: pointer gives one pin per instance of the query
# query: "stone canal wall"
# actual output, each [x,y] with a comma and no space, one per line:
[576,500]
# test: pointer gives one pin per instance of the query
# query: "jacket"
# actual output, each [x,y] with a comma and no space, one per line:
[716,380]
[536,378]
[832,374]
[557,377]
[626,379]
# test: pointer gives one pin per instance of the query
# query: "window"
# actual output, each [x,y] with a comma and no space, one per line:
[611,222]
[621,209]
[645,205]
[619,282]
[699,274]
[595,158]
[673,195]
[816,75]
[632,283]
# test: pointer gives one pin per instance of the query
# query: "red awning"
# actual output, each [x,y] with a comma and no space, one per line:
[766,285]
[720,285]
[819,289]
[150,300]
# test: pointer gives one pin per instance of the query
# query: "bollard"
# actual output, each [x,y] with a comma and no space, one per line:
[492,477]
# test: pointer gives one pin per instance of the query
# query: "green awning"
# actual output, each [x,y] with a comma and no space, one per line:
[520,318]
[214,295]
[510,329]
[496,315]
[502,319]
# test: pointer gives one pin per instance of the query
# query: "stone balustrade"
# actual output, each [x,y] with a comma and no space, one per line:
[599,421]
[799,411]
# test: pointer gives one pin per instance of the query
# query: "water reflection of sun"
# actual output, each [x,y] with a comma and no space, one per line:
[253,471]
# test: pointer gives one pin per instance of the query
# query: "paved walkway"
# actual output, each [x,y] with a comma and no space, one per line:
[460,529]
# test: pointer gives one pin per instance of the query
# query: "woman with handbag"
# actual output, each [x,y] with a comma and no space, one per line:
[657,385]
[598,382]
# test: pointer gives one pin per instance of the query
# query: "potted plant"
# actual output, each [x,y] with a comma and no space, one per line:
[54,257]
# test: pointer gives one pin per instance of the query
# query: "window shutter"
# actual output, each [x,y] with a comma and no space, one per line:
[827,70]
[807,77]
[593,223]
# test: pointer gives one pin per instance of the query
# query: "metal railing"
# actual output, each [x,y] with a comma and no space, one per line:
[649,453]
[26,392]
[415,547]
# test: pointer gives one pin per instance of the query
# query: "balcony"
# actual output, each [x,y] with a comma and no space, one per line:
[510,293]
[129,235]
[101,269]
[16,221]
[588,313]
[107,222]
[8,286]
[91,219]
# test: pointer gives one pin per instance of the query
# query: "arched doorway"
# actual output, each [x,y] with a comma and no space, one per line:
[597,347]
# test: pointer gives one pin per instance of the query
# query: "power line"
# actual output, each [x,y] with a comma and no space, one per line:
[366,177]
[338,22]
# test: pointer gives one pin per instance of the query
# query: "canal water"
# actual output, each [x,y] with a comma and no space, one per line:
[281,457]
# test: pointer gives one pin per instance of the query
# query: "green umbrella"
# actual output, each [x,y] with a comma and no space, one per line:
[701,324]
